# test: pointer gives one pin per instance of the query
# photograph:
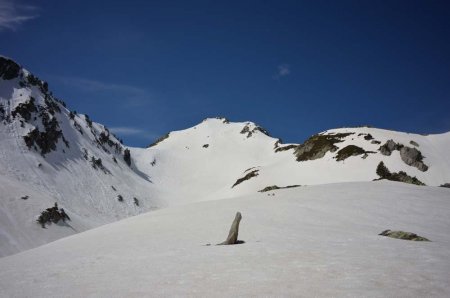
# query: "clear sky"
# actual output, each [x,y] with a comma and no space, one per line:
[144,68]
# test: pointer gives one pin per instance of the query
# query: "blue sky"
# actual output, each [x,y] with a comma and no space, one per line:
[295,67]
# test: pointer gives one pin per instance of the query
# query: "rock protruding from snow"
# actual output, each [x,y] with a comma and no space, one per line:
[401,176]
[410,156]
[403,235]
[275,187]
[251,128]
[234,231]
[248,176]
[388,147]
[159,140]
[318,145]
[351,150]
[413,157]
[8,69]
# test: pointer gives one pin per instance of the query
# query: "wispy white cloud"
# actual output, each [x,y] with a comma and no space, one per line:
[131,95]
[97,86]
[282,71]
[14,14]
[133,131]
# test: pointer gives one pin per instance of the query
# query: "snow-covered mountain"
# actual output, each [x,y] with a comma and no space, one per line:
[50,154]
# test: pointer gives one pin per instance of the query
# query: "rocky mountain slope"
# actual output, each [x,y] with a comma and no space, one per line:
[50,154]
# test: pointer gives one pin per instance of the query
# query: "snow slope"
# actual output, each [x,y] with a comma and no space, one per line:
[185,171]
[309,241]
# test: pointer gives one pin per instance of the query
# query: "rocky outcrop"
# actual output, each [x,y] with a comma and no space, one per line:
[52,215]
[401,176]
[413,157]
[159,140]
[25,109]
[8,69]
[285,148]
[275,187]
[250,132]
[318,145]
[351,150]
[388,147]
[410,156]
[248,176]
[403,235]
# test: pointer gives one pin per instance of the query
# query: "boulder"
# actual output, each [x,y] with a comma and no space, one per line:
[413,157]
[388,147]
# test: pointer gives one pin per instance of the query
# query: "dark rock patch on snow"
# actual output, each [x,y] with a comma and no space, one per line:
[388,148]
[401,176]
[248,176]
[275,187]
[318,145]
[410,156]
[250,132]
[351,150]
[159,140]
[413,157]
[403,235]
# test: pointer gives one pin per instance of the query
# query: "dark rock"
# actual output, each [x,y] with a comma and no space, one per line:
[285,148]
[159,140]
[414,143]
[8,69]
[401,176]
[318,145]
[368,137]
[403,235]
[25,109]
[274,187]
[248,176]
[388,147]
[127,157]
[246,130]
[52,215]
[413,157]
[351,150]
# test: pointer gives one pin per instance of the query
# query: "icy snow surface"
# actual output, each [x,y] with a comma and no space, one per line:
[315,241]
